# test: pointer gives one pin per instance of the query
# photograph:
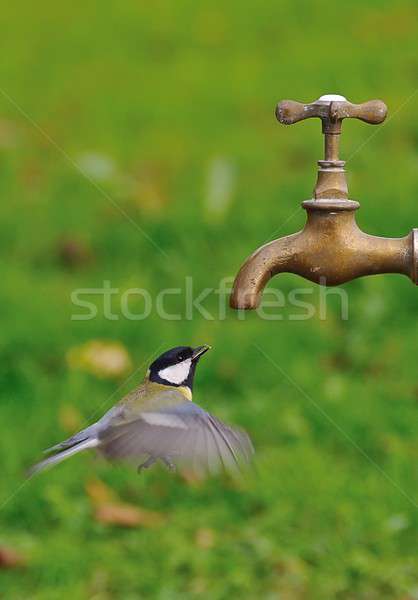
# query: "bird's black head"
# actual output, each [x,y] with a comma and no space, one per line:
[177,366]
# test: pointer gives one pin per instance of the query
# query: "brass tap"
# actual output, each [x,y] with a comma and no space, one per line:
[331,249]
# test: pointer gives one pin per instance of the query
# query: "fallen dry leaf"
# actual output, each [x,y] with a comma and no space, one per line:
[148,191]
[100,493]
[9,134]
[112,511]
[73,253]
[104,359]
[205,538]
[192,478]
[11,559]
[126,515]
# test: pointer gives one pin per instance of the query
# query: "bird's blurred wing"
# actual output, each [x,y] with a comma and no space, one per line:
[184,435]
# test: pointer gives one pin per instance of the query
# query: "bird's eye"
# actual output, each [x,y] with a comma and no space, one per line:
[180,358]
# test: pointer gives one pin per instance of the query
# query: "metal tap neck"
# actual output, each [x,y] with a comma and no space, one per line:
[331,181]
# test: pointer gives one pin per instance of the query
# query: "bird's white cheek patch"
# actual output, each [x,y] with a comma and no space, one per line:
[176,373]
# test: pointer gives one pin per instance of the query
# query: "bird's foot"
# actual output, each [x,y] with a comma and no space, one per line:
[168,463]
[148,463]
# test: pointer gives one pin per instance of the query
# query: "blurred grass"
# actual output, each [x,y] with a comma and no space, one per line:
[148,98]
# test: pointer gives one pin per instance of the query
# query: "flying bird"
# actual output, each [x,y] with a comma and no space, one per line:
[158,421]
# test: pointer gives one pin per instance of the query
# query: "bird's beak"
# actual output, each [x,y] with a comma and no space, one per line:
[199,351]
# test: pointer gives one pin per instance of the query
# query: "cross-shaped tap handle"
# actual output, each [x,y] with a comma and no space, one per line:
[331,109]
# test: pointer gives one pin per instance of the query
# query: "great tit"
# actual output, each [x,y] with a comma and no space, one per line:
[159,421]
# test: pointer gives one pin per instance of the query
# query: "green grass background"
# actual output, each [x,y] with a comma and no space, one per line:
[162,90]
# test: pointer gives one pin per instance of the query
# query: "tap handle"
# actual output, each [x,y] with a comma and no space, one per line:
[331,109]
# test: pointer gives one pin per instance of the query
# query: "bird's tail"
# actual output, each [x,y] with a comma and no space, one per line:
[63,454]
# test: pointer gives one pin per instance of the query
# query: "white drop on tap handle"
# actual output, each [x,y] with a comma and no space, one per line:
[332,98]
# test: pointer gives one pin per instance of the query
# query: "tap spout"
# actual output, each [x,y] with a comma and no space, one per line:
[278,256]
[330,250]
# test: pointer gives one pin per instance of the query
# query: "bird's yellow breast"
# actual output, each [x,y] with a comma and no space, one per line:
[186,391]
[168,390]
[165,395]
